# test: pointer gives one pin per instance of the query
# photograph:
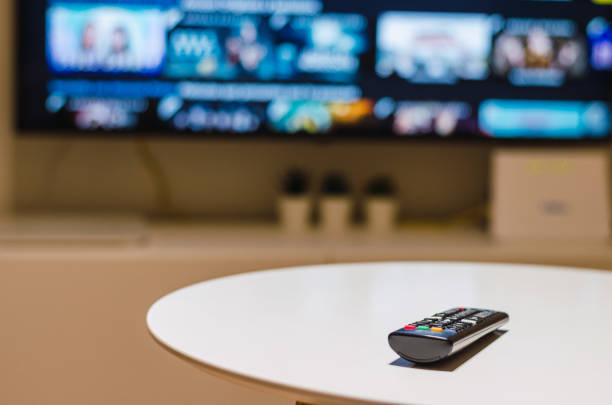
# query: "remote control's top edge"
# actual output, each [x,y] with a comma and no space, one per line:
[453,324]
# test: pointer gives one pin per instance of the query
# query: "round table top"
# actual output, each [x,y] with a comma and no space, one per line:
[319,333]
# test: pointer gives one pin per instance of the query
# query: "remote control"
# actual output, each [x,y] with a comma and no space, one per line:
[444,333]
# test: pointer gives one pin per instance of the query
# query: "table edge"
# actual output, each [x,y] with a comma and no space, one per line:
[287,391]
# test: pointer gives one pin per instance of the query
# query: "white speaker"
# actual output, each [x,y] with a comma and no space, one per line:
[550,194]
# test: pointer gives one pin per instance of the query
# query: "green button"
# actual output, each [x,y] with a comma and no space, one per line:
[423,328]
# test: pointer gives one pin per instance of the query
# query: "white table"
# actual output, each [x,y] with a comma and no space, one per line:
[318,334]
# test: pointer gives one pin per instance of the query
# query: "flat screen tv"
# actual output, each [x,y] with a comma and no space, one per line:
[474,69]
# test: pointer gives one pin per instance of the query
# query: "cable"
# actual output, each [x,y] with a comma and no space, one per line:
[162,189]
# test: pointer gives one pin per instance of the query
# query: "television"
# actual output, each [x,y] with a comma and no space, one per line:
[476,69]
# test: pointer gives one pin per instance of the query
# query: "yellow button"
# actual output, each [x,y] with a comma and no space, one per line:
[437,329]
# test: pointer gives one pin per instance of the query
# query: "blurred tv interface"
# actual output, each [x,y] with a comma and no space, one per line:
[390,68]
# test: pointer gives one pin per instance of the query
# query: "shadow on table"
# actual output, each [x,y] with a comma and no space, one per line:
[454,362]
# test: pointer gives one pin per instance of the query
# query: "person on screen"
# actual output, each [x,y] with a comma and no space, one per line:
[88,42]
[120,41]
[540,49]
[571,57]
[245,49]
[509,53]
[118,57]
[87,57]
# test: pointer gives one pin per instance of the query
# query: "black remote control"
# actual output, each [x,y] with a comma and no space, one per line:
[444,333]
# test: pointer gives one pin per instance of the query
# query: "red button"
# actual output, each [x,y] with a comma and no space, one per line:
[462,308]
[409,327]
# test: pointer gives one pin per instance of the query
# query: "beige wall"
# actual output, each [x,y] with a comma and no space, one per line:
[6,105]
[212,178]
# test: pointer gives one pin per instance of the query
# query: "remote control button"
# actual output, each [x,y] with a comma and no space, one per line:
[469,321]
[483,315]
[410,327]
[423,328]
[466,313]
[449,312]
[437,329]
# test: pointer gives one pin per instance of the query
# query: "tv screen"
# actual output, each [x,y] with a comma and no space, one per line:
[321,68]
